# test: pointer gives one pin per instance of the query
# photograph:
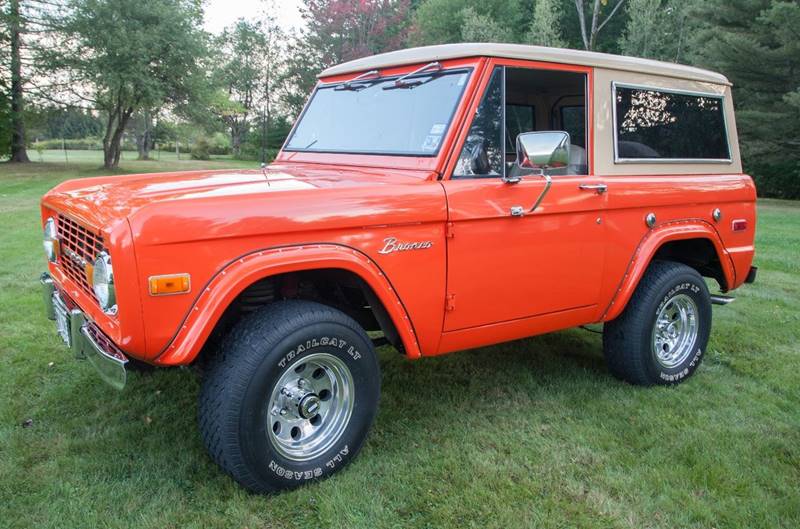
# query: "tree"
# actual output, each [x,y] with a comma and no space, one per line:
[239,74]
[60,122]
[143,131]
[658,29]
[249,67]
[149,58]
[5,123]
[755,43]
[641,32]
[479,28]
[446,21]
[272,63]
[341,30]
[299,74]
[337,31]
[545,28]
[5,103]
[18,151]
[589,33]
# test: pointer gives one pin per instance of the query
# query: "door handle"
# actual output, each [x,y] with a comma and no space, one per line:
[599,188]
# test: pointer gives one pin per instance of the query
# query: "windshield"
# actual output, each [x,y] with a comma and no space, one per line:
[380,116]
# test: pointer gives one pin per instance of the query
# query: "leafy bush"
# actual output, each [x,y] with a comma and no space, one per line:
[81,144]
[201,149]
[220,144]
[184,147]
[251,145]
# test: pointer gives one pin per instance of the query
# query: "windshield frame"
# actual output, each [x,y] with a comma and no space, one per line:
[469,69]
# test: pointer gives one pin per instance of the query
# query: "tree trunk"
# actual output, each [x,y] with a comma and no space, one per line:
[144,141]
[144,144]
[236,141]
[18,152]
[112,141]
[589,36]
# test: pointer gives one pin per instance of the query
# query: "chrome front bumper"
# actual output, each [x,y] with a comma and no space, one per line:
[80,336]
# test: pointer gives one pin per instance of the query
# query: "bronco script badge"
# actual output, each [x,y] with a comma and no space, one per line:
[391,244]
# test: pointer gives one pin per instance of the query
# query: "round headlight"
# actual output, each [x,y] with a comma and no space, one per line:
[103,282]
[50,240]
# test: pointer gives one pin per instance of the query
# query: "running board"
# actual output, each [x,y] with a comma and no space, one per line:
[718,299]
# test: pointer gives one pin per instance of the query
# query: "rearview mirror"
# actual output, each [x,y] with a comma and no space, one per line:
[539,151]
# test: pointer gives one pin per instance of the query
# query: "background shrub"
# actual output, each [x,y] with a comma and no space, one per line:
[201,149]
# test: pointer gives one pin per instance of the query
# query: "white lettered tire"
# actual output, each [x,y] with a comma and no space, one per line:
[661,336]
[291,396]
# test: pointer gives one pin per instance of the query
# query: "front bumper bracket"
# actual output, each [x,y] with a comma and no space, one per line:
[80,335]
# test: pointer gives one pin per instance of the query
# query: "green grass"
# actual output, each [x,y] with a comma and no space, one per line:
[534,433]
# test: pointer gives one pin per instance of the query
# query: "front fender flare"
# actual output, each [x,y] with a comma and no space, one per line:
[649,245]
[224,286]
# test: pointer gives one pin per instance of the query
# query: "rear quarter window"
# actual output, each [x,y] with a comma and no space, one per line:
[654,124]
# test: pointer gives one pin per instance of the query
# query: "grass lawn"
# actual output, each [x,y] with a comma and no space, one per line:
[535,433]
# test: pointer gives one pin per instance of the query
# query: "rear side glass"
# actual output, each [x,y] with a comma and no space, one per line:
[659,125]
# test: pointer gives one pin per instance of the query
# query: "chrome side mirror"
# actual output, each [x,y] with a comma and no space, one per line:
[536,153]
[539,151]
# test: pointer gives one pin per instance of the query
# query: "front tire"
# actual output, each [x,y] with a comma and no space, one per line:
[661,336]
[290,397]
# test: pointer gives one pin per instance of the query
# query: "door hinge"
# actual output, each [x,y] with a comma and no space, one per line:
[449,230]
[450,302]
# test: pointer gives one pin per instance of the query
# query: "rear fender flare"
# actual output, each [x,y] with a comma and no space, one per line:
[220,291]
[649,245]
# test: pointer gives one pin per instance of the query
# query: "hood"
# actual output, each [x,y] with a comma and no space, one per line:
[103,201]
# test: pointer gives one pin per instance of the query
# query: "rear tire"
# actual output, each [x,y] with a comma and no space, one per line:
[290,397]
[661,336]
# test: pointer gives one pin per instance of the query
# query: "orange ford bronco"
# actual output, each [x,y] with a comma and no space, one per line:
[434,199]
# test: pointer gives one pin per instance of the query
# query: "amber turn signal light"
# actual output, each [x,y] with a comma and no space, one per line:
[169,284]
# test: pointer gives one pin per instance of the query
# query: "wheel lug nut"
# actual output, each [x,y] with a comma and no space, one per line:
[283,411]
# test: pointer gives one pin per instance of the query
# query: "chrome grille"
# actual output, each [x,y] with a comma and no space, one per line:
[79,247]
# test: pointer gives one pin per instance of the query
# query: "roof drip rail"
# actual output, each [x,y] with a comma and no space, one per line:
[366,76]
[401,82]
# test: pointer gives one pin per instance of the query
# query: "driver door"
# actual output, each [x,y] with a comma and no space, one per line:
[503,266]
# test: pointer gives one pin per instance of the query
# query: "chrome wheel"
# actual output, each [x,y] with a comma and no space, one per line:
[675,331]
[310,406]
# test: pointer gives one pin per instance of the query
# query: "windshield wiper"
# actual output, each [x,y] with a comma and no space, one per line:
[403,82]
[358,83]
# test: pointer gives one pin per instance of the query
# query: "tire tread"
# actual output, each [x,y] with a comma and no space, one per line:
[622,341]
[227,376]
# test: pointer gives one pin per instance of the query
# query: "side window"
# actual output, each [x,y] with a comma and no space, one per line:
[482,155]
[573,120]
[654,124]
[519,119]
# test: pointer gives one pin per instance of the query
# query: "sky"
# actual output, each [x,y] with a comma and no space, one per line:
[222,13]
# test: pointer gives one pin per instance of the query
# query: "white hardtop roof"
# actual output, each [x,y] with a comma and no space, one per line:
[521,51]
